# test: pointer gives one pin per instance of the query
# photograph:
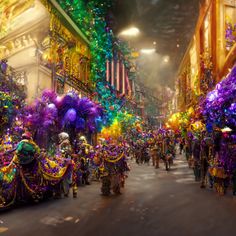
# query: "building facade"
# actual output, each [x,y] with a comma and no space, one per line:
[211,53]
[38,39]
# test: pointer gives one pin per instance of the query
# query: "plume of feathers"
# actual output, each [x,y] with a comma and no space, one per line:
[58,113]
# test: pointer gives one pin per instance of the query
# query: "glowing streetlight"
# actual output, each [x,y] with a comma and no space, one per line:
[133,31]
[166,59]
[148,50]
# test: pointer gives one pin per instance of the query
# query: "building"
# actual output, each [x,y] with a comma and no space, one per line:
[40,40]
[211,52]
[121,75]
[117,71]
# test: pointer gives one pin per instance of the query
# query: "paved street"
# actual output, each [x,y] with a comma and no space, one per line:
[154,203]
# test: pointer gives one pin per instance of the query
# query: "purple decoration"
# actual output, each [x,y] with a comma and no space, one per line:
[70,115]
[51,114]
[219,106]
[80,124]
[3,66]
[230,36]
[58,101]
[49,96]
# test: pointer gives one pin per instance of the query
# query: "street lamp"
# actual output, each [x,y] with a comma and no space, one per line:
[133,31]
[148,51]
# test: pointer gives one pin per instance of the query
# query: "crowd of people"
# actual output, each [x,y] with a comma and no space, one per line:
[211,157]
[33,173]
[153,145]
[28,172]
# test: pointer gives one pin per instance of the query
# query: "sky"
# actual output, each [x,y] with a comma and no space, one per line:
[169,23]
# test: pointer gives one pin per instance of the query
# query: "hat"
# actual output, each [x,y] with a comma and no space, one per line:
[82,138]
[27,135]
[63,136]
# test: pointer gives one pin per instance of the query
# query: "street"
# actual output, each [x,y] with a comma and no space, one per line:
[154,202]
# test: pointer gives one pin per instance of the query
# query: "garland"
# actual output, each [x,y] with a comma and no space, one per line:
[90,16]
[206,80]
[115,160]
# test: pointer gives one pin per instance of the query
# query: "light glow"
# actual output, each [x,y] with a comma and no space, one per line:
[148,51]
[133,31]
[166,59]
[226,129]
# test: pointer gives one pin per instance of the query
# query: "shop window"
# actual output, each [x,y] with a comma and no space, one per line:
[230,24]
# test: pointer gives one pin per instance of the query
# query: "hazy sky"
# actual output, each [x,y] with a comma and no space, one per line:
[170,23]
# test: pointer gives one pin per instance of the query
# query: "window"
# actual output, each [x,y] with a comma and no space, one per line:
[207,32]
[230,24]
[194,65]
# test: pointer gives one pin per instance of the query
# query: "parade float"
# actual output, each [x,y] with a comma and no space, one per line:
[25,172]
[33,173]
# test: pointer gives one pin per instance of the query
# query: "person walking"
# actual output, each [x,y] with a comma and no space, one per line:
[181,146]
[196,158]
[65,151]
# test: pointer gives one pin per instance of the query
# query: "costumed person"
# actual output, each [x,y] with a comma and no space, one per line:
[26,150]
[188,147]
[168,153]
[154,154]
[75,174]
[217,143]
[65,151]
[196,158]
[31,175]
[225,170]
[113,169]
[138,151]
[160,146]
[218,176]
[84,159]
[145,154]
[234,180]
[26,155]
[206,154]
[181,146]
[95,163]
